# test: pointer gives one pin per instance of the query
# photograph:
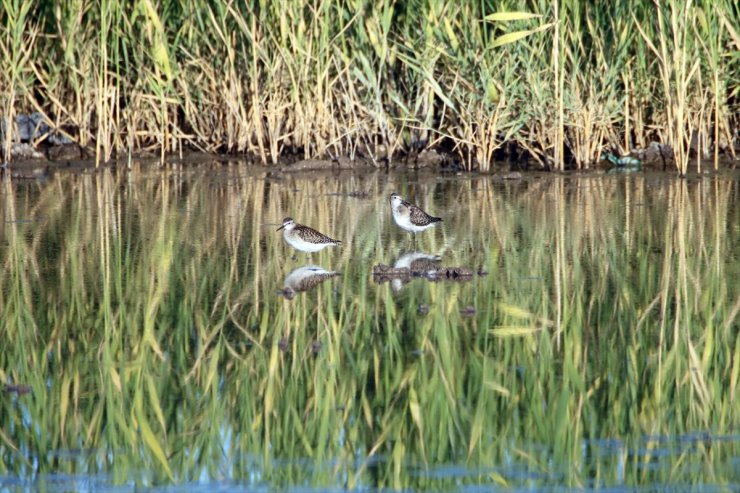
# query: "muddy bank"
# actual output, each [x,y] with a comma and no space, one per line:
[41,148]
[33,163]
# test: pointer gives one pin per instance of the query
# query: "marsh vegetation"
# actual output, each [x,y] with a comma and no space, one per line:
[382,80]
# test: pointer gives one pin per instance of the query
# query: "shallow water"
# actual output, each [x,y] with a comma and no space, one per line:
[553,333]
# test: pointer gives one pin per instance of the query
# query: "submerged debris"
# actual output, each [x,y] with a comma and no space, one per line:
[384,273]
[358,194]
[316,347]
[18,389]
[468,311]
[354,194]
[340,163]
[34,173]
[283,344]
[513,175]
[415,265]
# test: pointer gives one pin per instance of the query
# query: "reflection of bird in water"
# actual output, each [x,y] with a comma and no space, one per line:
[417,263]
[410,217]
[304,238]
[305,278]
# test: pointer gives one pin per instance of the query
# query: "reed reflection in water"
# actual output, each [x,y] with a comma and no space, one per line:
[146,315]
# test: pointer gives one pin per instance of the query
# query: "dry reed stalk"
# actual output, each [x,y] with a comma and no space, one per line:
[676,75]
[587,128]
[558,51]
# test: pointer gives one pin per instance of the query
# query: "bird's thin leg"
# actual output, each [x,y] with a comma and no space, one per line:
[412,241]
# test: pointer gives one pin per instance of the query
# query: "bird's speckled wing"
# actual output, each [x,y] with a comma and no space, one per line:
[420,218]
[312,281]
[313,236]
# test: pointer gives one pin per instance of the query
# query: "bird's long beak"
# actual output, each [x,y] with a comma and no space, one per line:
[281,227]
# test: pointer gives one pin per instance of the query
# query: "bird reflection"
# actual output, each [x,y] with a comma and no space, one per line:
[305,278]
[421,265]
[417,262]
[410,265]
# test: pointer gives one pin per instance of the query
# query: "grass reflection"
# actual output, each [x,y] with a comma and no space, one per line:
[143,313]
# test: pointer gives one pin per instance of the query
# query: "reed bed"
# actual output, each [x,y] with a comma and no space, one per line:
[381,80]
[142,313]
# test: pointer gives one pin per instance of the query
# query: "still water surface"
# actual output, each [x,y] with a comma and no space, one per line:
[555,333]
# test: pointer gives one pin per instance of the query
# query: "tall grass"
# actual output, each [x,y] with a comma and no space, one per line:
[142,311]
[17,44]
[380,80]
[678,65]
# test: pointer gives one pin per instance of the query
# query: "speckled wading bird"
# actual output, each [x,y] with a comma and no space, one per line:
[304,238]
[410,217]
